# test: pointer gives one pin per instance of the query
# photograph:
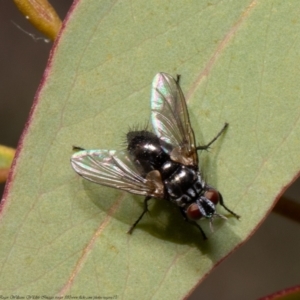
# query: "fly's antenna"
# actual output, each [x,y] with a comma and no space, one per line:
[211,220]
[211,224]
[221,216]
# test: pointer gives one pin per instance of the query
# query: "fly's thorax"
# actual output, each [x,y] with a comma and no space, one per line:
[184,186]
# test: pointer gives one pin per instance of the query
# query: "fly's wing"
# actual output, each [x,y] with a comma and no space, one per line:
[170,119]
[115,169]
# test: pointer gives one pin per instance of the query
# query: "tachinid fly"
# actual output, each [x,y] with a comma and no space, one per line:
[162,164]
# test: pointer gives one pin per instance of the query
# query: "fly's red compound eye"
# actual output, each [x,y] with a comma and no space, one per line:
[213,196]
[193,212]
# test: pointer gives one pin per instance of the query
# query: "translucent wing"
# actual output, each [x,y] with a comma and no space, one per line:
[115,169]
[170,119]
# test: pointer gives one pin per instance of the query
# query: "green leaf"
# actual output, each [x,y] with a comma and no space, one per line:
[239,60]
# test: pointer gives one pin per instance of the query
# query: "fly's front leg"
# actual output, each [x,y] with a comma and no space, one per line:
[229,210]
[205,147]
[192,222]
[141,216]
[199,227]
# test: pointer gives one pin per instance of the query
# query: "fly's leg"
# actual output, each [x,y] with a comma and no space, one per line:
[205,147]
[199,227]
[141,216]
[76,148]
[229,210]
[193,223]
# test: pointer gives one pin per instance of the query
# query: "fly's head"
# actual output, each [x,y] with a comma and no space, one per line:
[205,206]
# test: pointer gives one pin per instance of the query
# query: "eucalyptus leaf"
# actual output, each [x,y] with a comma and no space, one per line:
[239,63]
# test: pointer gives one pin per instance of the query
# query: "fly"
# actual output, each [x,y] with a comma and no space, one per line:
[162,164]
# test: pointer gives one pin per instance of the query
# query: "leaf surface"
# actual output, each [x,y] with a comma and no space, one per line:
[239,62]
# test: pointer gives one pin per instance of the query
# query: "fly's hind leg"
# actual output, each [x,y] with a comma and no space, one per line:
[76,148]
[205,147]
[141,216]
